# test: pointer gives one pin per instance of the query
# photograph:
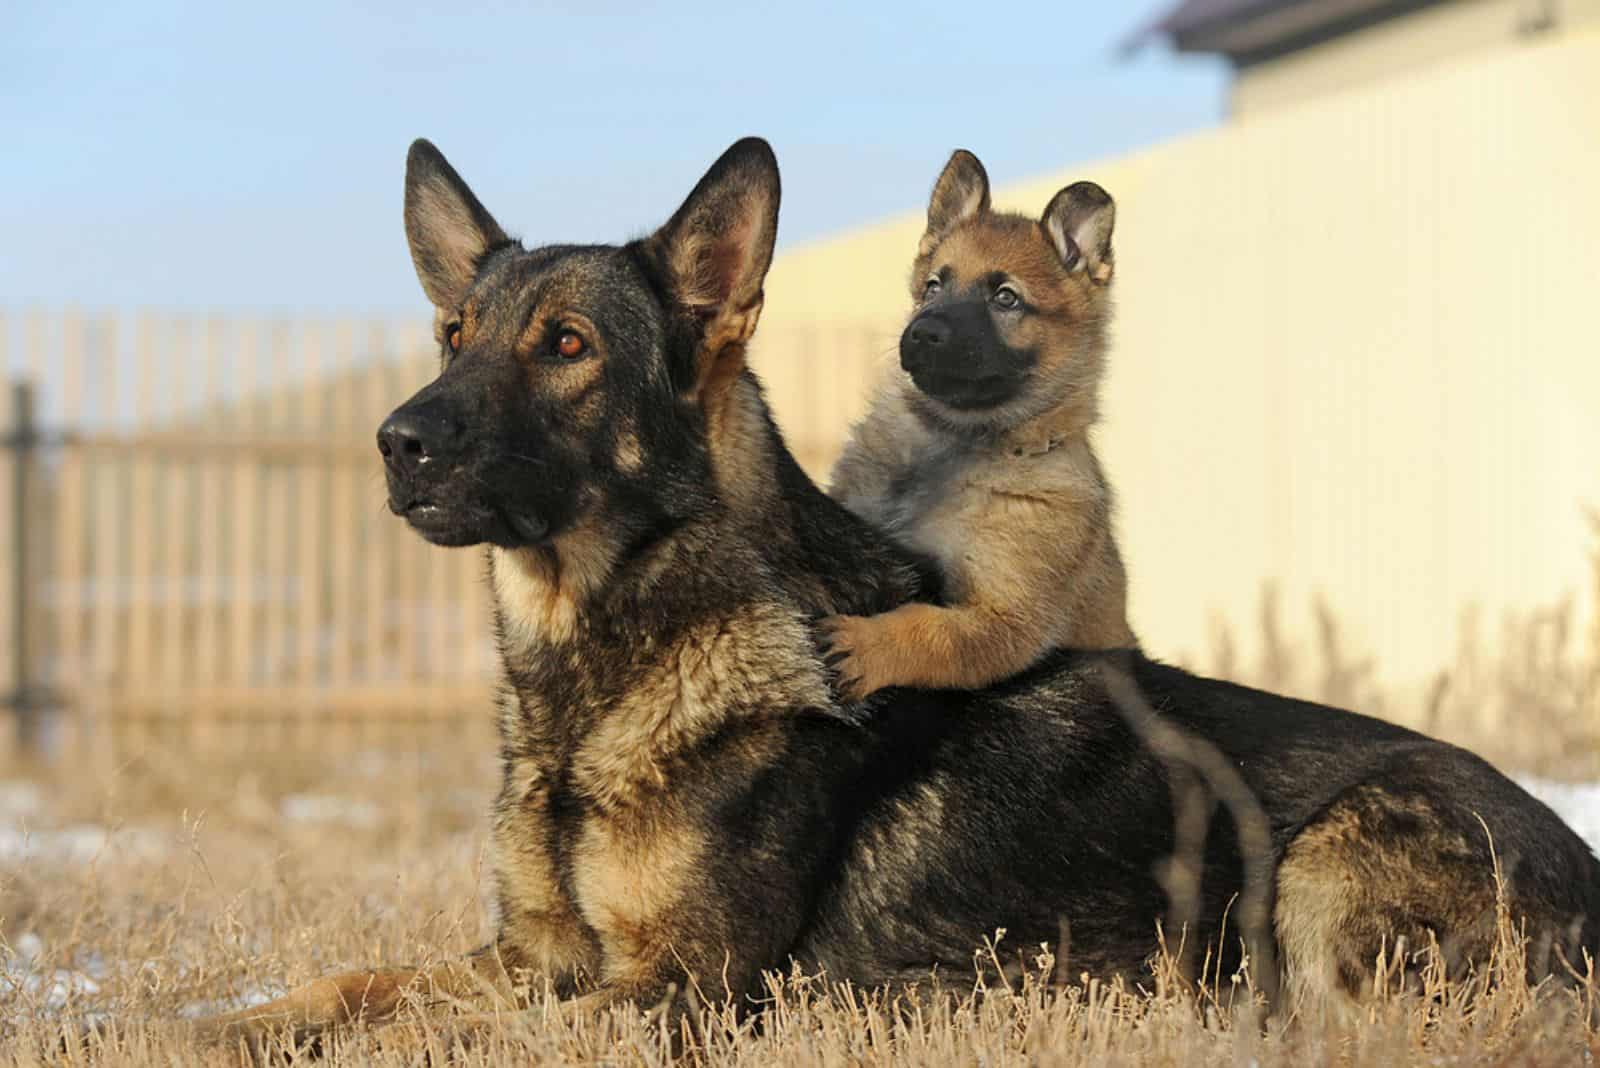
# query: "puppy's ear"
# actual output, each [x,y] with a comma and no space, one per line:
[715,251]
[961,192]
[448,230]
[1078,221]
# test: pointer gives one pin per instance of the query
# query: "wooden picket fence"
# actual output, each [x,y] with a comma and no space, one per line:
[205,532]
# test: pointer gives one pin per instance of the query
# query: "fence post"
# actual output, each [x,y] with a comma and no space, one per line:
[22,441]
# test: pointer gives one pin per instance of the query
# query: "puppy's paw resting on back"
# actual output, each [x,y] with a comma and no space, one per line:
[852,648]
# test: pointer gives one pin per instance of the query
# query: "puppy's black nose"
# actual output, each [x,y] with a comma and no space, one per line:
[409,439]
[929,330]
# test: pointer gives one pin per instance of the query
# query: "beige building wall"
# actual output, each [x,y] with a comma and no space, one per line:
[1459,29]
[1358,351]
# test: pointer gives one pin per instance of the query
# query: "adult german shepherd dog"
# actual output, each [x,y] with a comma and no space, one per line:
[684,799]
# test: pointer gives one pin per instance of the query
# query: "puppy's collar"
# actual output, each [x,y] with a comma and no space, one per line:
[1046,434]
[1036,446]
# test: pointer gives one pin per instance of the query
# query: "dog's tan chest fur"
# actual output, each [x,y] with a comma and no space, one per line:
[602,902]
[757,658]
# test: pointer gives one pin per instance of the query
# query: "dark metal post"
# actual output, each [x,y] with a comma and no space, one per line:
[23,441]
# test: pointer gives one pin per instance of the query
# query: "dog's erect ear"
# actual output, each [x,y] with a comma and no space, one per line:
[448,230]
[716,250]
[961,192]
[1079,221]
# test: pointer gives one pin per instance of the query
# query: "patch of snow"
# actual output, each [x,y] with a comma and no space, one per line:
[372,763]
[80,843]
[252,997]
[1576,803]
[19,798]
[325,808]
[55,988]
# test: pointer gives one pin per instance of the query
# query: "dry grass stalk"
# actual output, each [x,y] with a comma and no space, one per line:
[1202,777]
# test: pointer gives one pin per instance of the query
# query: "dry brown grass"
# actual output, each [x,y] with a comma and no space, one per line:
[232,873]
[207,893]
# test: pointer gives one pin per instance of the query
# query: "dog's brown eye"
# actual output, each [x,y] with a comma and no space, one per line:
[931,289]
[452,337]
[570,345]
[1006,297]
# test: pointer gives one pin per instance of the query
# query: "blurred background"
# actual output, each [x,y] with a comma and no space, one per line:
[1353,407]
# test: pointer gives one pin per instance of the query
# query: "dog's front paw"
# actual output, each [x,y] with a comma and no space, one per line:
[846,644]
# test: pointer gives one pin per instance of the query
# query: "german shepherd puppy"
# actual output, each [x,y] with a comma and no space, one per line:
[976,451]
[682,799]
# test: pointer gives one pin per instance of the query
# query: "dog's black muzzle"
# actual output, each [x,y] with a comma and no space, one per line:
[429,469]
[954,355]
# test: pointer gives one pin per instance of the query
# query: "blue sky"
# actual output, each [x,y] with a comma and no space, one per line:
[248,157]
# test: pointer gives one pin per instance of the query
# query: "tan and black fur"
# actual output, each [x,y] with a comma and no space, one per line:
[682,799]
[976,450]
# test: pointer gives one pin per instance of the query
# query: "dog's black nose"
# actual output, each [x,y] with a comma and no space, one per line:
[929,330]
[409,439]
[924,343]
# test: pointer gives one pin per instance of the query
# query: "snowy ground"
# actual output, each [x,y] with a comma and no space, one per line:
[1577,803]
[54,987]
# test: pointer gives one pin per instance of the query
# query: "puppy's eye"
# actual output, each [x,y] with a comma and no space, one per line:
[931,288]
[570,345]
[452,337]
[1006,297]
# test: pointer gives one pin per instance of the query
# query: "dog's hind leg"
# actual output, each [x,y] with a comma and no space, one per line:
[1380,873]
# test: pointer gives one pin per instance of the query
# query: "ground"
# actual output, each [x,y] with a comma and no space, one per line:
[146,879]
